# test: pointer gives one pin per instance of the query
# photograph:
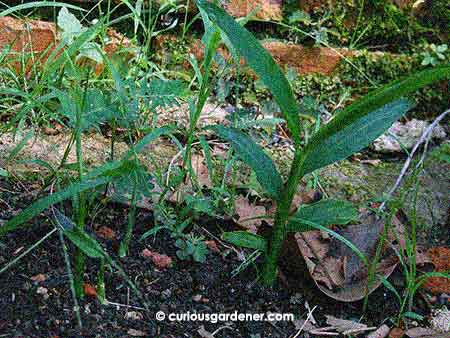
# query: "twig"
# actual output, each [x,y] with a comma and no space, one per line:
[310,312]
[424,138]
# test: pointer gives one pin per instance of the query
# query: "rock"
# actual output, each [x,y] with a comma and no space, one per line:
[212,113]
[134,315]
[408,134]
[50,148]
[36,40]
[360,183]
[89,290]
[304,60]
[161,261]
[38,278]
[197,298]
[266,9]
[136,333]
[106,233]
[42,291]
[32,38]
[440,320]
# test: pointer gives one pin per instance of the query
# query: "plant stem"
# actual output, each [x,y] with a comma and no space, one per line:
[123,251]
[101,282]
[281,217]
[79,255]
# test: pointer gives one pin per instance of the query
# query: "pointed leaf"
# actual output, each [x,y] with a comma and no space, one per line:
[42,204]
[325,212]
[365,120]
[85,243]
[78,237]
[253,155]
[98,177]
[246,239]
[259,59]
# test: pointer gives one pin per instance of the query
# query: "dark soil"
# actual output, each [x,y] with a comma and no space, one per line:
[26,313]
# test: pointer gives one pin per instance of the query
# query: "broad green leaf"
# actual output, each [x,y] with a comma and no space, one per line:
[62,52]
[366,119]
[325,212]
[255,157]
[3,173]
[259,59]
[70,26]
[162,93]
[246,239]
[90,50]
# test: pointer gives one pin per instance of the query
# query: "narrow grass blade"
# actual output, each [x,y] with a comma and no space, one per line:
[19,146]
[42,204]
[36,4]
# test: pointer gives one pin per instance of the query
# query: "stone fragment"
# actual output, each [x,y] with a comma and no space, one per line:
[407,134]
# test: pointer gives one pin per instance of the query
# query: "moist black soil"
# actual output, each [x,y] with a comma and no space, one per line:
[184,287]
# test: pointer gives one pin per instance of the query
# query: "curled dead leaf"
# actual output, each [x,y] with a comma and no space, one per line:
[201,171]
[337,270]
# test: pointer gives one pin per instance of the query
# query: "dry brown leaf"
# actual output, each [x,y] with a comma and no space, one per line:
[247,213]
[440,257]
[89,290]
[347,327]
[304,325]
[396,332]
[365,237]
[422,332]
[299,199]
[336,270]
[212,245]
[201,171]
[381,332]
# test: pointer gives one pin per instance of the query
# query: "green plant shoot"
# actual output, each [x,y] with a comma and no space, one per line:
[350,131]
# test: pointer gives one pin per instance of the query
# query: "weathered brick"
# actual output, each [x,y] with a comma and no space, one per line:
[31,39]
[266,9]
